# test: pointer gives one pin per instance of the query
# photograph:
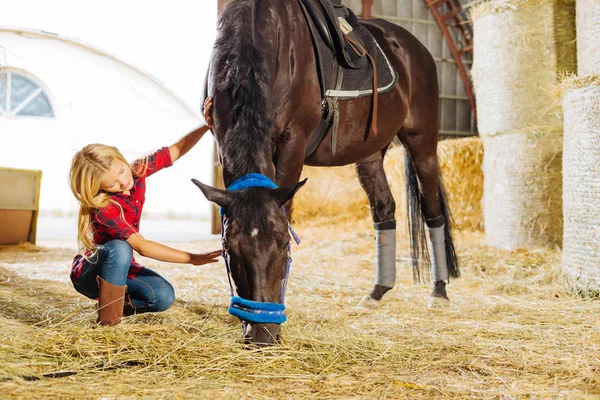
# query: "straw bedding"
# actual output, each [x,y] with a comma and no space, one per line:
[581,185]
[511,331]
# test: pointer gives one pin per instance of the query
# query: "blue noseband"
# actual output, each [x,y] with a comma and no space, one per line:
[248,310]
[257,311]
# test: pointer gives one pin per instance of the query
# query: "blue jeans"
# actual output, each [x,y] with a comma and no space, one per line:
[149,292]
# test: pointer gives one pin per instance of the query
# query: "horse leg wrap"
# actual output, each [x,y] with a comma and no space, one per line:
[437,241]
[385,236]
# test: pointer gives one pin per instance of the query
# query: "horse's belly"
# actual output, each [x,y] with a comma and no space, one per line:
[351,142]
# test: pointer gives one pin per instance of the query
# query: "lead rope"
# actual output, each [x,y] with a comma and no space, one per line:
[226,255]
[289,259]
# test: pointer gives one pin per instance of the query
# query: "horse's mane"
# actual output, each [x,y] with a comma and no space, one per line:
[239,69]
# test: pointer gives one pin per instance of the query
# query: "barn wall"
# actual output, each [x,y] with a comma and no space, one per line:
[455,111]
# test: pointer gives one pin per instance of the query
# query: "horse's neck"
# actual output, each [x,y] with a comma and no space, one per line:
[264,166]
[248,101]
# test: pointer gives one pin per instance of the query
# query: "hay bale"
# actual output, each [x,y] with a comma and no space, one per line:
[588,32]
[581,187]
[335,193]
[330,192]
[460,163]
[522,188]
[520,49]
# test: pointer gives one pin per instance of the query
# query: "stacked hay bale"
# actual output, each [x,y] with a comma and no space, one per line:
[521,49]
[588,32]
[335,193]
[330,192]
[460,163]
[581,187]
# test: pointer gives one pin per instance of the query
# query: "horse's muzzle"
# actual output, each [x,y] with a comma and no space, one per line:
[261,334]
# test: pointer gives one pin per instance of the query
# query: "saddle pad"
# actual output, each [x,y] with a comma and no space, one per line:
[359,82]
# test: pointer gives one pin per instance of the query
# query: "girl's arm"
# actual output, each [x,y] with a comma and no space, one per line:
[157,251]
[184,145]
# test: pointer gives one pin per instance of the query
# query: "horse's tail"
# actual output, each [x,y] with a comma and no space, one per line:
[416,226]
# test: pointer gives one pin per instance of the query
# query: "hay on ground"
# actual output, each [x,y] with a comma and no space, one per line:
[336,194]
[512,331]
[588,32]
[521,47]
[581,187]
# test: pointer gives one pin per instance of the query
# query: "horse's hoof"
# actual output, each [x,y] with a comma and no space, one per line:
[369,302]
[438,302]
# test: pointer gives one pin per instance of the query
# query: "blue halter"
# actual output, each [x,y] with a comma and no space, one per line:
[248,310]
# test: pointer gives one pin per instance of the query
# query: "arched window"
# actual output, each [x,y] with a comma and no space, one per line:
[20,96]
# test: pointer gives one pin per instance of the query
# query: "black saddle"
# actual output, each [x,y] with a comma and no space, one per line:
[334,23]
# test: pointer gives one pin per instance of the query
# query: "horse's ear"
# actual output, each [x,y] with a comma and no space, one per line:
[285,193]
[221,197]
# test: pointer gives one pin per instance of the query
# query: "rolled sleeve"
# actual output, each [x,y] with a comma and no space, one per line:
[154,162]
[113,223]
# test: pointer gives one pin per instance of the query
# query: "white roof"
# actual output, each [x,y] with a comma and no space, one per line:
[26,32]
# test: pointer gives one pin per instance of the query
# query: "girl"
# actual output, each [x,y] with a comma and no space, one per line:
[111,196]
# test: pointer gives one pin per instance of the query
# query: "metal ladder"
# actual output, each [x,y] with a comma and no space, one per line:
[452,16]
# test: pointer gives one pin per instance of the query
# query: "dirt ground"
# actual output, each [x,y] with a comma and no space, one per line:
[511,331]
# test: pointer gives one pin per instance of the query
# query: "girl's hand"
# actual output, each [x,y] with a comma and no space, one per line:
[207,107]
[206,258]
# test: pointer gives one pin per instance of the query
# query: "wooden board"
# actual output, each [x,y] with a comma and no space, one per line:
[19,204]
[15,226]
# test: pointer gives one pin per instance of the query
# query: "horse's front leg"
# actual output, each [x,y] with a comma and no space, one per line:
[383,207]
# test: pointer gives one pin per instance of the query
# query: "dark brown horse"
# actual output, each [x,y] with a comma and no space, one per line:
[267,102]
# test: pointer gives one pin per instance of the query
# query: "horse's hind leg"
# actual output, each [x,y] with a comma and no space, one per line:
[426,202]
[372,178]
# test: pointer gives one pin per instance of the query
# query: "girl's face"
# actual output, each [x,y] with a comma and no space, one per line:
[118,178]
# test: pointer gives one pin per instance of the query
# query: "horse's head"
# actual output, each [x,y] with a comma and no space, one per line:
[256,240]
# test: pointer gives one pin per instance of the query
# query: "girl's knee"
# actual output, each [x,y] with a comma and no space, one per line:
[165,296]
[116,261]
[120,251]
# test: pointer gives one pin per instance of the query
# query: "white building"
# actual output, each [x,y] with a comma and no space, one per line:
[59,93]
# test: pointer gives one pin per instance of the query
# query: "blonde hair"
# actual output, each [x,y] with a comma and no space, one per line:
[88,167]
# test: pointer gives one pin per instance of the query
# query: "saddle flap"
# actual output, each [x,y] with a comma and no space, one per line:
[334,22]
[318,19]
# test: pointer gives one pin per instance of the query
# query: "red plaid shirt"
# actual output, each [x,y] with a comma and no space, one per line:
[108,223]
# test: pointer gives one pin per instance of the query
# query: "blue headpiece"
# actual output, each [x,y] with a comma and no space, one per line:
[252,180]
